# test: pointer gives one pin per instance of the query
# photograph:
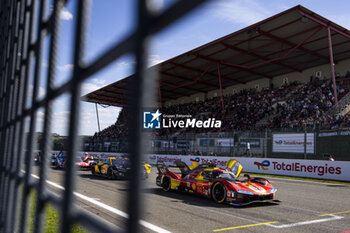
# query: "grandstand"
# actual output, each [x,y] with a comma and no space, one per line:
[289,72]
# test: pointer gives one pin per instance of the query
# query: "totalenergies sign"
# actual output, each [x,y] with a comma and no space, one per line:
[322,169]
[302,167]
[264,165]
[293,143]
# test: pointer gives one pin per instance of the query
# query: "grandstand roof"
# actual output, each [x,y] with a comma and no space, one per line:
[291,41]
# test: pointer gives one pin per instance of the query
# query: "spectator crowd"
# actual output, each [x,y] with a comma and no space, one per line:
[291,106]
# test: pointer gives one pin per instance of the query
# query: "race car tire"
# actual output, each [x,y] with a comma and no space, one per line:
[93,171]
[166,183]
[110,174]
[218,192]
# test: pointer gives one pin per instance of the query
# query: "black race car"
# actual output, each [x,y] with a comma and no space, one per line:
[116,168]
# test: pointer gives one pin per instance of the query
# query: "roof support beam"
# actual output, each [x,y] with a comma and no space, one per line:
[104,98]
[293,45]
[332,65]
[326,25]
[197,70]
[266,59]
[163,92]
[210,73]
[234,66]
[177,86]
[221,95]
[160,97]
[114,92]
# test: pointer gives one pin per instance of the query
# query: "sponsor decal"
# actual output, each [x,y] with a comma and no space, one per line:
[197,159]
[298,167]
[214,161]
[293,143]
[256,188]
[279,142]
[153,158]
[263,165]
[285,142]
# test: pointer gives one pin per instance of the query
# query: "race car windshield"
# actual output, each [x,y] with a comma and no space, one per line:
[226,175]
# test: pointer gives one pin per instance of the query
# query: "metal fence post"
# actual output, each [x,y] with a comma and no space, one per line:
[19,22]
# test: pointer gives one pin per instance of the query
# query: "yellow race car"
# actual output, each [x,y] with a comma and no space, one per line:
[116,168]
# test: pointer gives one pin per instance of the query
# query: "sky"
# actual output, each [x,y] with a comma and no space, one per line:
[112,20]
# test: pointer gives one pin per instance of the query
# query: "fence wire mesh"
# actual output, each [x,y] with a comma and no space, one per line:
[25,25]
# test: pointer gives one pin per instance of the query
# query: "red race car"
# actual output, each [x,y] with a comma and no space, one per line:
[84,163]
[222,185]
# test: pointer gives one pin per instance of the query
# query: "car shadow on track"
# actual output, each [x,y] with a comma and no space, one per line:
[339,186]
[198,200]
[92,177]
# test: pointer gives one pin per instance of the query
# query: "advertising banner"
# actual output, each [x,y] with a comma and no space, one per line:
[321,169]
[225,142]
[183,145]
[253,142]
[293,143]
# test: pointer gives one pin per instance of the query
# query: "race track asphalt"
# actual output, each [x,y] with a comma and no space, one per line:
[302,206]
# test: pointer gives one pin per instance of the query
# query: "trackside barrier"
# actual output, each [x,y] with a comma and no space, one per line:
[320,169]
[333,170]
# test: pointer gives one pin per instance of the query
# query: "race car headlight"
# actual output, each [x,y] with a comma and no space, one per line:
[273,190]
[244,192]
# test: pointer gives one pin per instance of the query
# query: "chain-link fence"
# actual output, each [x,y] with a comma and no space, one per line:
[24,26]
[239,143]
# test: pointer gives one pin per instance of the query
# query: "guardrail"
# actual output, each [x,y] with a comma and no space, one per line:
[339,107]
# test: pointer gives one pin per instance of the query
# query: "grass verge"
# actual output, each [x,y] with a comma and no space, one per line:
[52,218]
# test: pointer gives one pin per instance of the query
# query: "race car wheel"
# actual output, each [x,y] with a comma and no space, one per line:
[93,170]
[166,183]
[218,192]
[110,174]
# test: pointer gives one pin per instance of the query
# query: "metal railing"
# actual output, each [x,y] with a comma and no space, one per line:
[340,106]
[24,26]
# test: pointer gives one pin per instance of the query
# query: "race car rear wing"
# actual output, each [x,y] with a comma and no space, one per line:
[161,167]
[183,168]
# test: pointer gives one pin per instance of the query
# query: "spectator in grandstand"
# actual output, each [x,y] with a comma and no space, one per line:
[288,107]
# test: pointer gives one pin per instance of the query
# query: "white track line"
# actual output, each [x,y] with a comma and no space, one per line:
[303,181]
[109,208]
[334,217]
